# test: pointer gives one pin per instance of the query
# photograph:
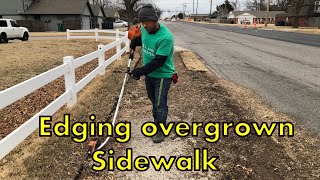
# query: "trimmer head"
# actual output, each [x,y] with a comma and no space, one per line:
[93,144]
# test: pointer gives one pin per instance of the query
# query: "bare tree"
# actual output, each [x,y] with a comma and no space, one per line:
[105,3]
[297,5]
[235,4]
[279,5]
[95,3]
[256,5]
[251,5]
[129,9]
[275,5]
[129,5]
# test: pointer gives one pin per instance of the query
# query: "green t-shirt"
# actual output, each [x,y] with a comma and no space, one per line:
[160,43]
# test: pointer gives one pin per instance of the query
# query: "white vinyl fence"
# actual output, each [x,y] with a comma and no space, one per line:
[96,32]
[67,69]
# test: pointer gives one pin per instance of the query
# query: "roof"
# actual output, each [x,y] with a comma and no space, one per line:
[199,14]
[109,12]
[10,7]
[57,7]
[258,14]
[96,9]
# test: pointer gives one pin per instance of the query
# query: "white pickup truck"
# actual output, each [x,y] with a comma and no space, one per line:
[10,30]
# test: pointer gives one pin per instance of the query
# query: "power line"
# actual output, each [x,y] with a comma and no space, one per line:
[193,6]
[210,11]
[180,3]
[184,7]
[197,10]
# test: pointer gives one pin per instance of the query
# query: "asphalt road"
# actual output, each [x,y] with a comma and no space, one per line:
[300,38]
[286,75]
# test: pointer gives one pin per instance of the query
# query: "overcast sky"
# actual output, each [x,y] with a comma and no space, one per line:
[174,5]
[177,5]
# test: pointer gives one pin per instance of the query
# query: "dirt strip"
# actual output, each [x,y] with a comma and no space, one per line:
[198,97]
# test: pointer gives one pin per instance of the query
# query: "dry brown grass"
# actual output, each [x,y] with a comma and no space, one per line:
[192,61]
[22,61]
[199,97]
[47,34]
[19,112]
[96,98]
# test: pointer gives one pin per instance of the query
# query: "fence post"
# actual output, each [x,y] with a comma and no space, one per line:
[70,80]
[127,42]
[102,59]
[118,44]
[68,35]
[96,34]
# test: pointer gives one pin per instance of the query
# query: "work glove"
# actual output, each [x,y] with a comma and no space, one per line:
[135,74]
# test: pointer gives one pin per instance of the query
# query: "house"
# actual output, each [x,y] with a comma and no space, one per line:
[111,15]
[99,15]
[48,15]
[251,16]
[200,17]
[14,9]
[308,16]
[72,14]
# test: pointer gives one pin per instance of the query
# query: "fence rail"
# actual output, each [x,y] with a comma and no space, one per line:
[69,97]
[96,34]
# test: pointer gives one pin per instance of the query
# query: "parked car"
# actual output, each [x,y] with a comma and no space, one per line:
[10,30]
[120,23]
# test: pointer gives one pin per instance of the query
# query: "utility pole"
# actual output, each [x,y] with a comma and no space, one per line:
[197,11]
[184,6]
[210,11]
[193,7]
[267,15]
[184,9]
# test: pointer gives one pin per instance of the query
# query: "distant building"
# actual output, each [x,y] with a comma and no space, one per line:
[99,15]
[199,17]
[55,15]
[14,9]
[111,15]
[250,16]
[308,16]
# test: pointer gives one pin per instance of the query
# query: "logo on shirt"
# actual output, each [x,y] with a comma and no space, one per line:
[147,50]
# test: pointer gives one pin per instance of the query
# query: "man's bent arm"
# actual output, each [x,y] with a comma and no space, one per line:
[154,64]
[135,42]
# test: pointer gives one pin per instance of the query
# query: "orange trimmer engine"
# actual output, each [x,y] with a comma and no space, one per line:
[93,144]
[134,32]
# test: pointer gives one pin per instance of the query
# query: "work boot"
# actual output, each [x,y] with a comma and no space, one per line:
[158,138]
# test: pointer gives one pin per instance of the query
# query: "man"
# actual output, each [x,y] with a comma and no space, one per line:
[158,69]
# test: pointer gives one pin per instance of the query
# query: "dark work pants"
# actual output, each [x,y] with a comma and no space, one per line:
[157,89]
